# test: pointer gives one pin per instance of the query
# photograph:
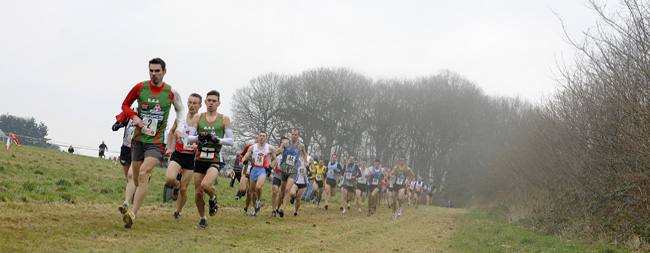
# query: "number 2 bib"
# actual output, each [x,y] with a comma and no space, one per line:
[150,125]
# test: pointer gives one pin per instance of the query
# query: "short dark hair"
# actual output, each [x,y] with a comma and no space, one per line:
[157,60]
[295,129]
[214,93]
[196,95]
[284,138]
[263,132]
[377,161]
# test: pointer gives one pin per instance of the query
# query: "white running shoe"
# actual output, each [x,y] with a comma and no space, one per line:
[399,212]
[344,211]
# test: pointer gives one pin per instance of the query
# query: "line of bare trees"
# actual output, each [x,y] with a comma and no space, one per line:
[578,166]
[444,124]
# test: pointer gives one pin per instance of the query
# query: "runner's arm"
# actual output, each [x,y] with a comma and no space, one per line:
[179,108]
[229,138]
[274,156]
[170,139]
[194,123]
[130,98]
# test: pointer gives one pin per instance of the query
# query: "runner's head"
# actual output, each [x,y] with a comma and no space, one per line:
[364,163]
[321,162]
[262,137]
[351,159]
[377,164]
[419,178]
[402,160]
[431,180]
[212,100]
[283,140]
[333,159]
[194,103]
[157,70]
[295,134]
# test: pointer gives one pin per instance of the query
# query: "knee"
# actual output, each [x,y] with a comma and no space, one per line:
[170,180]
[206,186]
[198,195]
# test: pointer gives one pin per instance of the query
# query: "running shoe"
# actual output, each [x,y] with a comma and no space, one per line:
[213,206]
[281,213]
[293,199]
[257,206]
[348,206]
[369,212]
[123,208]
[395,217]
[295,214]
[175,194]
[177,215]
[318,204]
[203,223]
[427,209]
[254,213]
[325,207]
[273,213]
[245,210]
[344,211]
[128,219]
[359,210]
[341,208]
[399,212]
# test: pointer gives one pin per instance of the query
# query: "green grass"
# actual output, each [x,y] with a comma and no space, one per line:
[479,233]
[55,201]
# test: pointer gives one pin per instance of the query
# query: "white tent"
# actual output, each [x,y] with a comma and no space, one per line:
[3,136]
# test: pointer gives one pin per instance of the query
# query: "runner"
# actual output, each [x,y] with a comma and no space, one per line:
[261,152]
[418,191]
[319,174]
[390,192]
[431,189]
[410,190]
[155,99]
[332,171]
[401,173]
[244,183]
[301,183]
[350,175]
[375,175]
[182,156]
[277,182]
[362,187]
[213,131]
[291,151]
[125,158]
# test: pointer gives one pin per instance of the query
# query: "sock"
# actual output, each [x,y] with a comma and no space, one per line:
[126,204]
[214,197]
[204,218]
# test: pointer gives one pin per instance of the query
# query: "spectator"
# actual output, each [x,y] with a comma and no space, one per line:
[70,149]
[102,148]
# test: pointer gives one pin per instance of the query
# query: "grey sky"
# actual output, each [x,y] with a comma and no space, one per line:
[70,64]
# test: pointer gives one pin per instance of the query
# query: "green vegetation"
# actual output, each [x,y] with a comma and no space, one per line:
[57,201]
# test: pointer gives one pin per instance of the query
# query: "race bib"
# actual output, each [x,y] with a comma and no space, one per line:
[302,171]
[400,181]
[362,180]
[330,173]
[348,175]
[150,125]
[207,153]
[375,181]
[185,145]
[259,160]
[418,188]
[319,177]
[291,159]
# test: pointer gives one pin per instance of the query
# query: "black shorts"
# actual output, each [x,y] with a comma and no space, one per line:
[202,167]
[430,194]
[277,181]
[371,188]
[418,194]
[362,187]
[397,187]
[285,176]
[319,183]
[331,182]
[300,186]
[350,189]
[125,155]
[140,150]
[185,160]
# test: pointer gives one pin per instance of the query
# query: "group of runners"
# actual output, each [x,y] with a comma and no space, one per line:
[194,147]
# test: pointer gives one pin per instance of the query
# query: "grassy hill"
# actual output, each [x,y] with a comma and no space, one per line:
[55,201]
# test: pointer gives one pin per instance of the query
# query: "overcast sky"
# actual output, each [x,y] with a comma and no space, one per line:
[70,64]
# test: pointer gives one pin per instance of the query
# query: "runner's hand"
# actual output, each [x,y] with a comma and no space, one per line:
[138,122]
[178,135]
[168,153]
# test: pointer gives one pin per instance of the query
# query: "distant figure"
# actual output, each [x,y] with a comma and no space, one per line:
[102,148]
[70,149]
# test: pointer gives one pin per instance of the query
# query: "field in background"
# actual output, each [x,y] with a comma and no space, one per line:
[56,201]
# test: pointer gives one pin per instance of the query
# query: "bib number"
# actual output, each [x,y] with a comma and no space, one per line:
[330,173]
[400,181]
[348,176]
[375,181]
[259,160]
[291,160]
[319,177]
[362,180]
[207,153]
[302,171]
[186,146]
[150,125]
